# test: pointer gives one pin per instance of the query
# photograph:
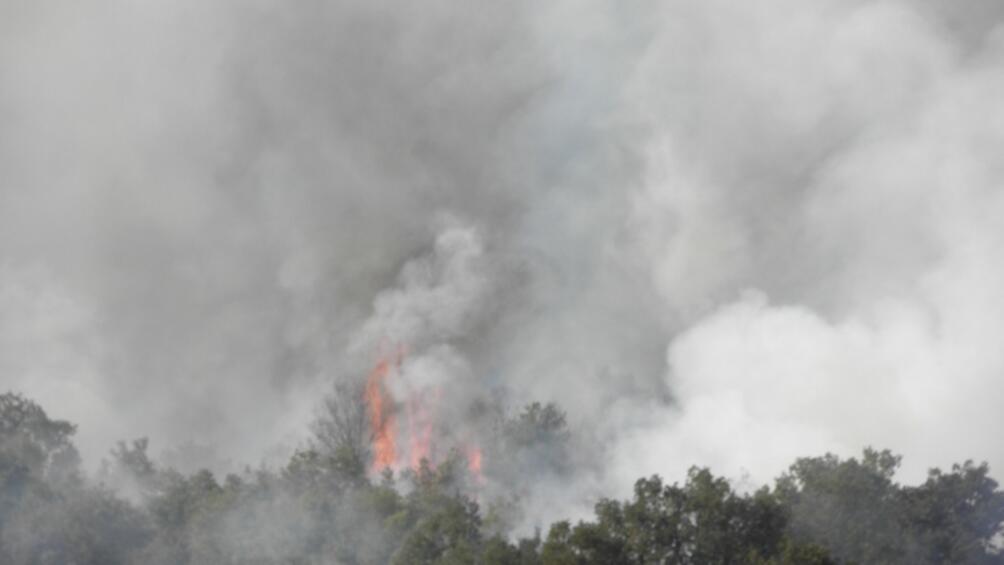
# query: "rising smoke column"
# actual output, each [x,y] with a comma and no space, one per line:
[207,207]
[419,397]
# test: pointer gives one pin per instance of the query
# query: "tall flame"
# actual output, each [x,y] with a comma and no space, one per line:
[392,450]
[382,422]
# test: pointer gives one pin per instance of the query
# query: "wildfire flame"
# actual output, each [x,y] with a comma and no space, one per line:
[474,461]
[419,419]
[382,422]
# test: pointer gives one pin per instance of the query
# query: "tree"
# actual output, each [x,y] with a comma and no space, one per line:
[48,514]
[855,509]
[703,521]
[536,440]
[36,456]
[33,444]
[955,517]
[321,507]
[82,526]
[850,507]
[439,523]
[341,433]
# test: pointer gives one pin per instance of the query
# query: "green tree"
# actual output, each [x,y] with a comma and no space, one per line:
[955,517]
[849,506]
[439,524]
[33,445]
[536,441]
[48,513]
[341,434]
[703,521]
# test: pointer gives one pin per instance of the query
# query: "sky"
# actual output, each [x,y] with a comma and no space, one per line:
[716,233]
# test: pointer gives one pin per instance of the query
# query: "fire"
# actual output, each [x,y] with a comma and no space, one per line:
[419,421]
[474,462]
[382,422]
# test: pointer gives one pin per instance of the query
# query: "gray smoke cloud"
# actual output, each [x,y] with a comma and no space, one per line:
[822,192]
[715,232]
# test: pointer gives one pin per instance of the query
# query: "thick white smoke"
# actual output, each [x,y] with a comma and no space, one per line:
[843,163]
[715,232]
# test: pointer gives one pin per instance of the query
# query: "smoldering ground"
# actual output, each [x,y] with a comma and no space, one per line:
[713,232]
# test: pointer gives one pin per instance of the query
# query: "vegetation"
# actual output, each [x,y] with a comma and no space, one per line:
[323,508]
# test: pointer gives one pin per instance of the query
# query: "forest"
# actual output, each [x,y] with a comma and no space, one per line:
[326,505]
[367,282]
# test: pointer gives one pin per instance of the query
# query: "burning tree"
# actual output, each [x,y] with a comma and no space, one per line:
[406,431]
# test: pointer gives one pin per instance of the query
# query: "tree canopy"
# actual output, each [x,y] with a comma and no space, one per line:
[323,506]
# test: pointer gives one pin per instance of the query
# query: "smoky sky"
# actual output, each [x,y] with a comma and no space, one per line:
[714,232]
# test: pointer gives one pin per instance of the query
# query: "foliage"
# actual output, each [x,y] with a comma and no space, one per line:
[47,513]
[855,509]
[322,507]
[535,441]
[703,521]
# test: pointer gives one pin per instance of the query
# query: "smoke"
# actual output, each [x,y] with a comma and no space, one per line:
[227,196]
[714,232]
[850,182]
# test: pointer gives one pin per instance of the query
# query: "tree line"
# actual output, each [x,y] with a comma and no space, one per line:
[323,506]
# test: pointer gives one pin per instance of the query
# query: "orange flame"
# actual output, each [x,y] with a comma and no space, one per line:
[474,463]
[420,423]
[382,423]
[474,460]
